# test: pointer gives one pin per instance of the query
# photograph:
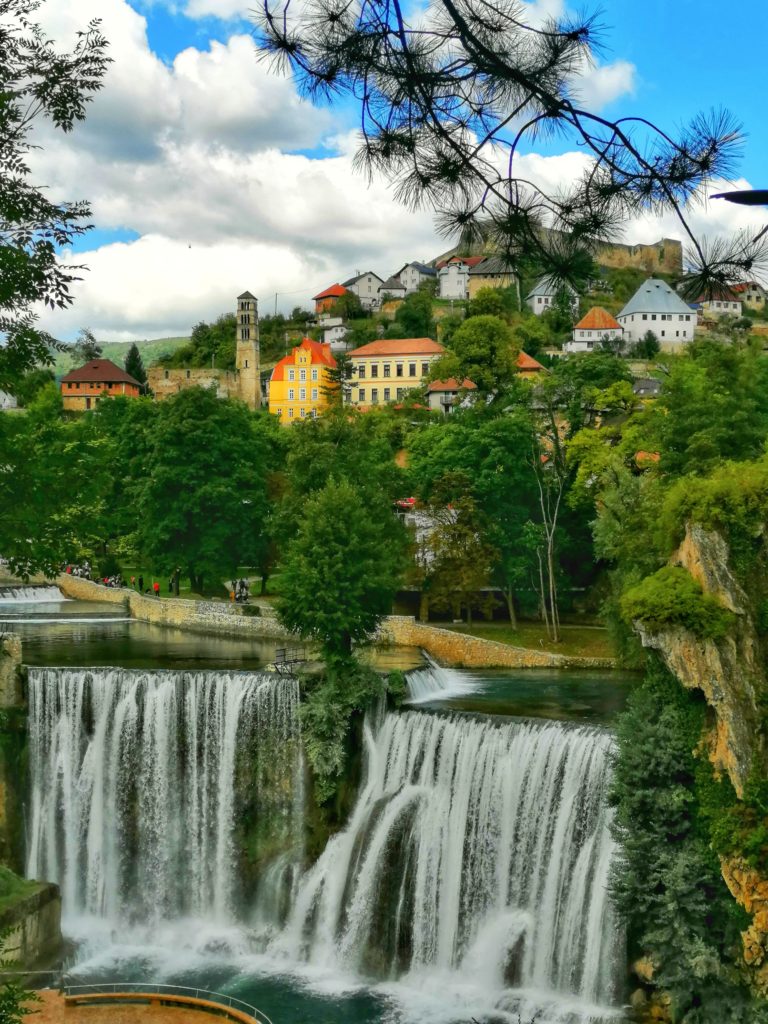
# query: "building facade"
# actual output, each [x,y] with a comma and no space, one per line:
[325,300]
[443,395]
[298,387]
[723,302]
[752,294]
[412,275]
[592,330]
[243,383]
[366,288]
[655,307]
[384,371]
[543,294]
[393,287]
[83,387]
[489,272]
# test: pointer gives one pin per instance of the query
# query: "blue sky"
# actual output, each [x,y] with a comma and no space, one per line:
[208,176]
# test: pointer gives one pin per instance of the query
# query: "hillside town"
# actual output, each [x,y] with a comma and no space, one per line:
[389,367]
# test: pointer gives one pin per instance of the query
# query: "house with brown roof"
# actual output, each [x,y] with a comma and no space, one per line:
[298,387]
[443,395]
[384,371]
[596,327]
[752,294]
[100,378]
[722,302]
[527,367]
[325,300]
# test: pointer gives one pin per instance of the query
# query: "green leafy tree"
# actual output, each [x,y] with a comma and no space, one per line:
[16,1001]
[54,475]
[28,386]
[134,364]
[338,380]
[413,318]
[648,347]
[205,487]
[348,307]
[342,568]
[86,347]
[483,350]
[37,83]
[487,302]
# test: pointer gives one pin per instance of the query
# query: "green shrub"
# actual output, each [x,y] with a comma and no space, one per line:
[672,598]
[251,609]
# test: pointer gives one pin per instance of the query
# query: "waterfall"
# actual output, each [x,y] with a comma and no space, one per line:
[478,849]
[154,793]
[30,594]
[435,682]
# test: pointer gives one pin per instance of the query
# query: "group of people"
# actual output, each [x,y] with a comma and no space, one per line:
[138,584]
[83,571]
[240,590]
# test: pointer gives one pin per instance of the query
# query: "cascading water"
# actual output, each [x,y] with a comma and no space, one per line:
[30,595]
[478,849]
[475,861]
[144,785]
[434,682]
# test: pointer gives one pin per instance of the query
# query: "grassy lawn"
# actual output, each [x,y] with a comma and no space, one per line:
[578,641]
[184,586]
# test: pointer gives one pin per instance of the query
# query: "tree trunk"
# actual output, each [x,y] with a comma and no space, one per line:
[469,612]
[196,582]
[542,593]
[264,578]
[423,606]
[510,599]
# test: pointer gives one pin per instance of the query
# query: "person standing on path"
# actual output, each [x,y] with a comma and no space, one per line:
[156,588]
[141,584]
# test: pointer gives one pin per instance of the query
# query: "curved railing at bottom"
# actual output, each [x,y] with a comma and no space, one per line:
[211,1002]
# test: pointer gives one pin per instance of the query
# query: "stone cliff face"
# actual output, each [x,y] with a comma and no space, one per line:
[728,672]
[731,674]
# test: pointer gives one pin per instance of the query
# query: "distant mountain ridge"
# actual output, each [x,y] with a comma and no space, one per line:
[151,350]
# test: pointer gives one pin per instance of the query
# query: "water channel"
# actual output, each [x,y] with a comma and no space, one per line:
[469,881]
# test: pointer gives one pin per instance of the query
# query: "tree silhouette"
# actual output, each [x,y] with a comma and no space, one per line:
[449,99]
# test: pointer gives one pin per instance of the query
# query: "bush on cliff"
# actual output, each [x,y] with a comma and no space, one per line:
[670,599]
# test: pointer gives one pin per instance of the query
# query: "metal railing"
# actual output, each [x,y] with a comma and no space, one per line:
[145,988]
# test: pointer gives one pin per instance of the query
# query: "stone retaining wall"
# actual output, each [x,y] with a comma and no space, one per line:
[447,646]
[200,616]
[458,650]
[33,928]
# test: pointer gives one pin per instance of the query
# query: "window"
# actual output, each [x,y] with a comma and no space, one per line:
[688,317]
[361,394]
[245,333]
[374,396]
[663,334]
[361,370]
[645,316]
[538,300]
[314,394]
[302,394]
[677,334]
[313,414]
[279,412]
[411,369]
[314,374]
[387,394]
[303,413]
[387,369]
[424,369]
[291,394]
[291,375]
[399,370]
[374,369]
[246,364]
[302,374]
[589,334]
[290,414]
[653,316]
[400,393]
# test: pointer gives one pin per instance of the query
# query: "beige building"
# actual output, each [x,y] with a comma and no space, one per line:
[491,272]
[384,371]
[243,383]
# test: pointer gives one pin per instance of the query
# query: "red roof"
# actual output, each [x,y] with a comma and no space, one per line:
[334,292]
[598,319]
[321,356]
[468,261]
[100,371]
[526,362]
[399,347]
[452,385]
[724,294]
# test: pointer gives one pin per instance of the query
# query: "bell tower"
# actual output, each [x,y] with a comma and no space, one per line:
[248,360]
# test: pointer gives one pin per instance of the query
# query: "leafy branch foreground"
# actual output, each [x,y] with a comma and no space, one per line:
[451,98]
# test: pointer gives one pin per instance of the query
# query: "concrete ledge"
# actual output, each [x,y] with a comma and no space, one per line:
[199,616]
[458,650]
[32,926]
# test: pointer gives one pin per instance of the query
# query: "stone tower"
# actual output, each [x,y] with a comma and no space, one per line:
[248,359]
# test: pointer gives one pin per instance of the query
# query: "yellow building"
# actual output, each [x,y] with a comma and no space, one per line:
[297,387]
[383,371]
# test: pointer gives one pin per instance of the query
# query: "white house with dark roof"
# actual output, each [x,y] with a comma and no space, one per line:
[414,274]
[543,294]
[393,287]
[365,287]
[657,308]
